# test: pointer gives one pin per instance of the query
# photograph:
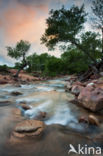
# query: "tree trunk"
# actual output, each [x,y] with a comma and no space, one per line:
[22,66]
[18,72]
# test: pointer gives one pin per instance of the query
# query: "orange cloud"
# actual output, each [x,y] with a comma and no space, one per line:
[24,22]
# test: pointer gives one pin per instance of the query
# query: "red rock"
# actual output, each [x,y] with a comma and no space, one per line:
[91,98]
[76,89]
[28,128]
[83,119]
[3,82]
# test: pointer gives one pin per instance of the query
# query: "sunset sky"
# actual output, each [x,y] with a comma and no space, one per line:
[25,19]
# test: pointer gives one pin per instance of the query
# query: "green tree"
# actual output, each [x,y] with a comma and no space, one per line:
[19,53]
[92,43]
[74,61]
[53,66]
[97,8]
[63,26]
[37,62]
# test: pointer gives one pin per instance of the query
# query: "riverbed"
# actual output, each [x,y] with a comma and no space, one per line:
[47,96]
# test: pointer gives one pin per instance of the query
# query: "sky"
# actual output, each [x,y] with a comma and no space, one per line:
[26,20]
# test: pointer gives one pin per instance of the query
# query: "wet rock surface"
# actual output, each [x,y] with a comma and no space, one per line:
[25,106]
[16,93]
[55,141]
[29,128]
[28,137]
[91,98]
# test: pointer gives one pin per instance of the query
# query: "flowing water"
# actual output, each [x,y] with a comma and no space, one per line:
[48,96]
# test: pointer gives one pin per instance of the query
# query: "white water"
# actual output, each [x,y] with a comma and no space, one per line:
[49,97]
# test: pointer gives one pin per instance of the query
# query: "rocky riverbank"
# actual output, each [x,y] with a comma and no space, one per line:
[88,95]
[39,120]
[24,77]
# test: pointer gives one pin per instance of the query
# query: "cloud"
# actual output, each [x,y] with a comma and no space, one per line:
[25,19]
[24,22]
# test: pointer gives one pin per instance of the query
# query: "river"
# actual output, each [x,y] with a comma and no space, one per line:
[47,96]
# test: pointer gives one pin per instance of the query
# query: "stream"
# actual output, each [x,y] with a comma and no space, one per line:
[47,96]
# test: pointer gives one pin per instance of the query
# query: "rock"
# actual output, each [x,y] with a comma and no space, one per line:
[17,85]
[3,82]
[90,84]
[5,103]
[41,115]
[76,89]
[101,73]
[16,93]
[79,83]
[92,120]
[68,86]
[29,128]
[83,119]
[91,98]
[25,107]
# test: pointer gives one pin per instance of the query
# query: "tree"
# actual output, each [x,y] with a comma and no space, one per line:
[37,62]
[92,43]
[63,26]
[74,61]
[97,8]
[19,52]
[53,66]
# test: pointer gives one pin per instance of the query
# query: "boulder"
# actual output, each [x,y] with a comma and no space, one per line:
[76,89]
[29,128]
[92,120]
[91,98]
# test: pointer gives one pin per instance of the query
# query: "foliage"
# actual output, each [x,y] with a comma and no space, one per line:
[4,68]
[37,62]
[97,7]
[53,66]
[63,26]
[19,52]
[92,43]
[74,61]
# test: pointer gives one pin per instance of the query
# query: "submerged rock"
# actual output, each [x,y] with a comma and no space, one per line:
[41,116]
[25,107]
[83,119]
[5,103]
[16,93]
[29,128]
